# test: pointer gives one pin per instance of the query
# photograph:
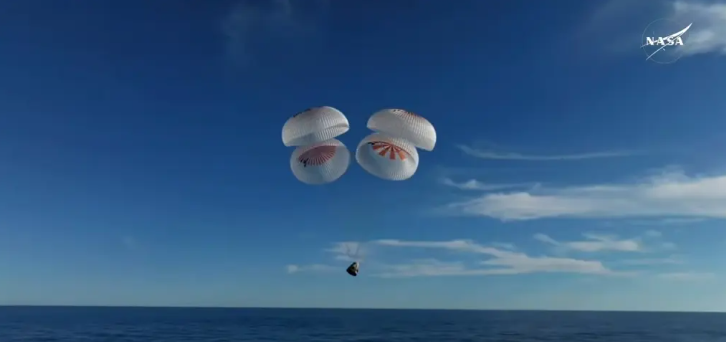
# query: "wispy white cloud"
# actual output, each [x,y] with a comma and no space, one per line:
[649,241]
[708,33]
[424,268]
[313,268]
[671,194]
[672,221]
[498,258]
[500,262]
[292,268]
[504,259]
[668,245]
[653,233]
[655,237]
[348,251]
[623,19]
[594,243]
[503,245]
[485,154]
[688,276]
[473,184]
[546,239]
[671,260]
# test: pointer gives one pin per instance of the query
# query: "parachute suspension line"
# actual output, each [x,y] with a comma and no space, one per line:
[359,254]
[357,250]
[353,254]
[347,250]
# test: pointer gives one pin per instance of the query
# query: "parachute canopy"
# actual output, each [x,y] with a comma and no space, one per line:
[314,125]
[403,124]
[320,163]
[386,157]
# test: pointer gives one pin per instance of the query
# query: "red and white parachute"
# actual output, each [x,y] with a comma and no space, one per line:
[391,153]
[319,158]
[387,157]
[320,163]
[406,125]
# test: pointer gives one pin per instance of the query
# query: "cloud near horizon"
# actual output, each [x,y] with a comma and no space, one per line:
[688,276]
[486,154]
[499,262]
[594,243]
[475,185]
[309,268]
[497,259]
[670,260]
[649,241]
[671,194]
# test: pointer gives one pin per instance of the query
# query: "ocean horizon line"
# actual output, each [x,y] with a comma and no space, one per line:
[341,308]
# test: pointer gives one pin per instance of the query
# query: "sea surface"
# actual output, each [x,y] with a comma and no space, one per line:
[94,324]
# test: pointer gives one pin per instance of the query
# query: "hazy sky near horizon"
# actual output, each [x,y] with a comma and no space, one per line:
[142,161]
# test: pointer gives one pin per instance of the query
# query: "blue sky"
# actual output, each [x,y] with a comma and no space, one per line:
[142,161]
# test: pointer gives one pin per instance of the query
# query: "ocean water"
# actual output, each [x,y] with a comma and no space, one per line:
[85,324]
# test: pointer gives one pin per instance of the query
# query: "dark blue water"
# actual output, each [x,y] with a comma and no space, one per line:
[36,324]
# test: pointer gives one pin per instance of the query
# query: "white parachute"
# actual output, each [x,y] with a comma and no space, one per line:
[406,125]
[314,125]
[319,158]
[391,153]
[386,157]
[320,163]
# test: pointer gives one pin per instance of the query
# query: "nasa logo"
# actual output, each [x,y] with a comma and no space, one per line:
[663,40]
[669,41]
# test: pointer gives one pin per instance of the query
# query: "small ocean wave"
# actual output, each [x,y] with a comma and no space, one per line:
[54,324]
